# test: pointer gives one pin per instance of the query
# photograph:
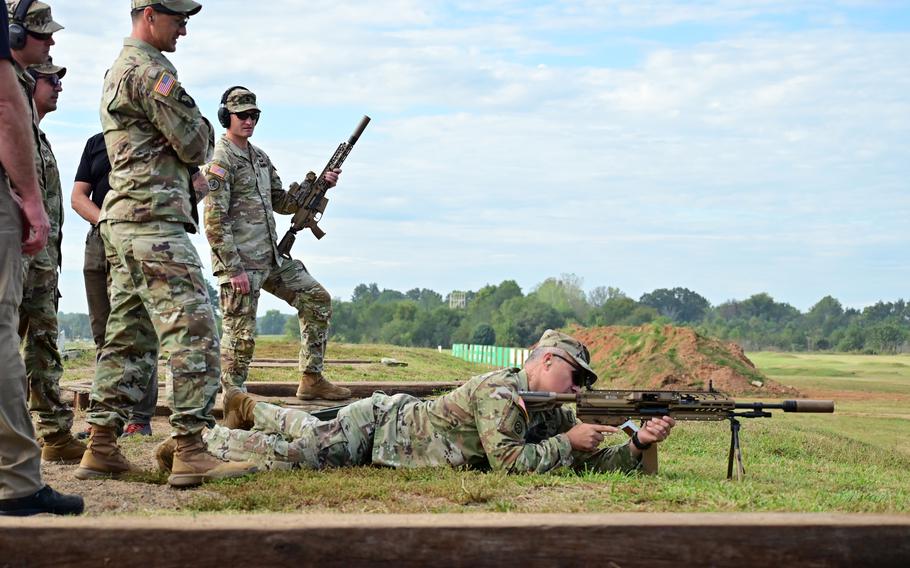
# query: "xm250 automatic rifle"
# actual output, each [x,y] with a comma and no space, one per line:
[310,195]
[616,407]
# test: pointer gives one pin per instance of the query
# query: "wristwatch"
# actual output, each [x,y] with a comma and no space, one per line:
[637,443]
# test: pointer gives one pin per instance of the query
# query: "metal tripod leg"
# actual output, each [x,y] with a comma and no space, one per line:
[735,452]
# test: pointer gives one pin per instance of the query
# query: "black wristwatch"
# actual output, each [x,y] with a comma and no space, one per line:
[637,443]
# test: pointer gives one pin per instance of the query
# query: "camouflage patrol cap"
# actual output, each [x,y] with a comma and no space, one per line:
[185,7]
[38,19]
[570,345]
[241,100]
[48,68]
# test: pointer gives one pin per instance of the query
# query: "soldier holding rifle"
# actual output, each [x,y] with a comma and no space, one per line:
[244,193]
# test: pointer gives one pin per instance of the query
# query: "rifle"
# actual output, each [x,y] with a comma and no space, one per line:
[614,407]
[310,195]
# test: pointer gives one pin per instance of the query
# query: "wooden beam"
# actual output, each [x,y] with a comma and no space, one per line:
[656,540]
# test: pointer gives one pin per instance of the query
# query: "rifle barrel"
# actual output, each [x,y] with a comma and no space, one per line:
[359,130]
[824,406]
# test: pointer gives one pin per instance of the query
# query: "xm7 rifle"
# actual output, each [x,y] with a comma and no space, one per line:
[310,195]
[616,407]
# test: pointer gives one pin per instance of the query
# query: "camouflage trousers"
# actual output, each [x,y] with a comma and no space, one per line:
[291,282]
[287,438]
[158,300]
[96,273]
[38,333]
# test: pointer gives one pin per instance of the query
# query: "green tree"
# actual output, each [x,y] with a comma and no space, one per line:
[272,323]
[566,295]
[484,334]
[521,321]
[681,305]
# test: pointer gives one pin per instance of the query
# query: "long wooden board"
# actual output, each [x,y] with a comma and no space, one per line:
[656,540]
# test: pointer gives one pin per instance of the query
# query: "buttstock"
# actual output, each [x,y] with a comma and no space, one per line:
[287,242]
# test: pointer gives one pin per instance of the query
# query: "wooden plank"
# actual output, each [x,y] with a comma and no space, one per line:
[656,540]
[284,393]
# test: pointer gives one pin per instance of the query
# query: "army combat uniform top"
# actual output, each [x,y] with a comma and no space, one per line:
[244,191]
[153,131]
[483,424]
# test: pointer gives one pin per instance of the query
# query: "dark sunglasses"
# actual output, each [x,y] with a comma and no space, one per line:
[40,36]
[580,377]
[52,79]
[254,114]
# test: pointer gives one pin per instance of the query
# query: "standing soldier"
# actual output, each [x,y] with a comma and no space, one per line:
[22,491]
[153,132]
[245,190]
[38,312]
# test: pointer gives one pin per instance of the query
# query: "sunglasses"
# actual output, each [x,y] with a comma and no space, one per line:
[580,377]
[52,79]
[254,114]
[40,36]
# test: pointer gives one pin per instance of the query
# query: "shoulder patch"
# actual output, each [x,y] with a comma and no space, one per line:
[165,84]
[217,171]
[214,184]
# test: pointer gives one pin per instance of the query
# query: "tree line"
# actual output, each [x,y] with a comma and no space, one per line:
[504,315]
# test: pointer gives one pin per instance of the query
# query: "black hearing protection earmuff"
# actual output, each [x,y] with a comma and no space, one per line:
[224,115]
[17,32]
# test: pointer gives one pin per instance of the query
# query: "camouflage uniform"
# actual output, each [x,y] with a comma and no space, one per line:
[38,311]
[481,425]
[153,131]
[244,191]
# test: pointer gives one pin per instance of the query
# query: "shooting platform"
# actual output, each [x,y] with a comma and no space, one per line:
[324,540]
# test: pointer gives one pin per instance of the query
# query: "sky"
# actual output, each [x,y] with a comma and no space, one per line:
[725,146]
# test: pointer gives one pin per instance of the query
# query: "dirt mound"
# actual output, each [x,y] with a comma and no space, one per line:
[673,358]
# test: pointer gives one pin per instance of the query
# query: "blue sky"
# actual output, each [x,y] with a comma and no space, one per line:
[729,147]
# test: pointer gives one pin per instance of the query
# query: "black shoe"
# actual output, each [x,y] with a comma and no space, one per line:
[44,501]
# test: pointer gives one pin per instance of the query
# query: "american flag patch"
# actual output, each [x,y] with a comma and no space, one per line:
[217,170]
[165,84]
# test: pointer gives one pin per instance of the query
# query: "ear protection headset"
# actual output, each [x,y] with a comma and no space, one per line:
[224,115]
[17,32]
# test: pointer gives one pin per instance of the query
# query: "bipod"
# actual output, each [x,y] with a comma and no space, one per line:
[736,450]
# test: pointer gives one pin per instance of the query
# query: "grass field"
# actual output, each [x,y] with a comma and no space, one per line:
[856,460]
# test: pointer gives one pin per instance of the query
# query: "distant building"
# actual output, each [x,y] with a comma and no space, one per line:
[458,300]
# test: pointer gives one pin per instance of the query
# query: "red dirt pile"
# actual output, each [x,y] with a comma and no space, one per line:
[665,357]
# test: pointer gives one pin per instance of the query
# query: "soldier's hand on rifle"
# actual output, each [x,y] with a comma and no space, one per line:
[241,283]
[587,437]
[331,176]
[656,430]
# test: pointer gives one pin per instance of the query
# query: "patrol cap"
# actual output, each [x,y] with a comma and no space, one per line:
[240,100]
[48,68]
[38,19]
[576,349]
[185,7]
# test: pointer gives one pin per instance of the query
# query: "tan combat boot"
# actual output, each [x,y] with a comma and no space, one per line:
[61,447]
[314,385]
[193,465]
[102,459]
[238,410]
[164,454]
